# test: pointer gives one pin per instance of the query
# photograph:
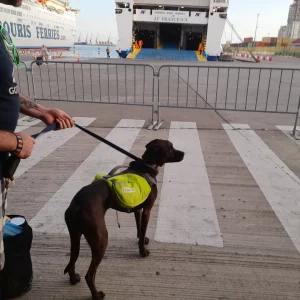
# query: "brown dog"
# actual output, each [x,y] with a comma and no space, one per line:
[86,213]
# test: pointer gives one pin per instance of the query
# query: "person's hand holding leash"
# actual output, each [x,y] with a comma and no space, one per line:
[62,119]
[48,115]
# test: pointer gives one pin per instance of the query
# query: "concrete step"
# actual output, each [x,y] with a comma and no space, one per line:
[164,54]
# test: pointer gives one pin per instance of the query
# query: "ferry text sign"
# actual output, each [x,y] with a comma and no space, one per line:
[169,16]
[20,30]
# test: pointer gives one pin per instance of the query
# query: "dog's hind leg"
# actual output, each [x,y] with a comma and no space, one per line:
[138,220]
[97,240]
[75,237]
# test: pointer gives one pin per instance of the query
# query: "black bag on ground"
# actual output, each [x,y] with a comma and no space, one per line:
[39,60]
[18,273]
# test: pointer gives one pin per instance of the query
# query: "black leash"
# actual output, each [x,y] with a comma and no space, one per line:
[12,163]
[109,143]
[45,130]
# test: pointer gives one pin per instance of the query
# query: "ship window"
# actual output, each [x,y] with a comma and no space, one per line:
[13,12]
[1,8]
[171,8]
[123,4]
[6,10]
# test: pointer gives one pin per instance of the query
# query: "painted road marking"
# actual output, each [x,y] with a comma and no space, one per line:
[103,159]
[288,130]
[49,142]
[279,184]
[26,122]
[187,211]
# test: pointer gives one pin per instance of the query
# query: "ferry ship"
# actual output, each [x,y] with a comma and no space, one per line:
[41,22]
[172,24]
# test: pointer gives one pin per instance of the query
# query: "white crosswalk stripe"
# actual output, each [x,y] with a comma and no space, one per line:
[288,130]
[187,212]
[26,122]
[186,205]
[278,183]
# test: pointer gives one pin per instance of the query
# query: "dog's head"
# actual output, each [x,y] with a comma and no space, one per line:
[158,152]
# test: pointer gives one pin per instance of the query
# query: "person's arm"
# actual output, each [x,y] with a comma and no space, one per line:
[20,144]
[8,141]
[45,114]
[30,108]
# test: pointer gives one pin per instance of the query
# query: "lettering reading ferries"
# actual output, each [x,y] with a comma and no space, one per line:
[24,31]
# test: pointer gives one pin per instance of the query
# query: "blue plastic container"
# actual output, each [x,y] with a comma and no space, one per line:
[11,229]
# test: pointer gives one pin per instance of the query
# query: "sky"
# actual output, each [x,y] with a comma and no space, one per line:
[98,17]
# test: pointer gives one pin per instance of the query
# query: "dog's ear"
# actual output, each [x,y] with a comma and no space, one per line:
[152,143]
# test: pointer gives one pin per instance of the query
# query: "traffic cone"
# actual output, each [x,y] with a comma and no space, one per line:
[34,58]
[78,59]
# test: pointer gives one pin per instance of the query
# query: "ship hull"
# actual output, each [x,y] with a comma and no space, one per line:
[31,26]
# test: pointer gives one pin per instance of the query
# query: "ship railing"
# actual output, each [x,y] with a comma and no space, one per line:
[262,90]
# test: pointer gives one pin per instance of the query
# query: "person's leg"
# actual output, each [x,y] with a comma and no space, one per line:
[2,221]
[1,286]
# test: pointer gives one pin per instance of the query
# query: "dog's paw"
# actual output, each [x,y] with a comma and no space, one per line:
[144,252]
[100,296]
[74,279]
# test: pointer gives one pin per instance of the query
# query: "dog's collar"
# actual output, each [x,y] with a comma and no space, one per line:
[141,164]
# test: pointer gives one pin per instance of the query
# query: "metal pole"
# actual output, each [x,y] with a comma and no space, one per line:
[256,29]
[158,96]
[296,120]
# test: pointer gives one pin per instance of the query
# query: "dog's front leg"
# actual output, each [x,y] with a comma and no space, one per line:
[138,220]
[142,238]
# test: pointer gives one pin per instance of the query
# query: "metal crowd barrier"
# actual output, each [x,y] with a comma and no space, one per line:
[249,89]
[109,83]
[21,75]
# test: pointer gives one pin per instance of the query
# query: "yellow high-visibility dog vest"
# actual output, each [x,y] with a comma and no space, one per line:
[129,190]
